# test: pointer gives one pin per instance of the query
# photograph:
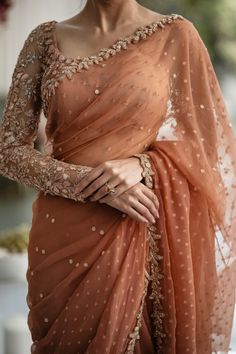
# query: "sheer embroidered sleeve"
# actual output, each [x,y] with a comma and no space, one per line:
[19,160]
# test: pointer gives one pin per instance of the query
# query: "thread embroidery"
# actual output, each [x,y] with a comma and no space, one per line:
[60,66]
[154,275]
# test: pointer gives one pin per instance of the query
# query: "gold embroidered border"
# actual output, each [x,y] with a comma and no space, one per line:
[135,334]
[147,169]
[156,293]
[154,278]
[61,66]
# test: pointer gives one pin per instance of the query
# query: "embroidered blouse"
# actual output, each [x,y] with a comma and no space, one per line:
[28,96]
[19,160]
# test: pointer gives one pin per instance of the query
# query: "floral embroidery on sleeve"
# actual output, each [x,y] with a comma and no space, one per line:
[19,160]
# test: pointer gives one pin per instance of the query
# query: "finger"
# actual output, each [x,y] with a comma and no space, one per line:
[149,204]
[103,191]
[143,210]
[152,196]
[90,177]
[129,210]
[149,200]
[120,186]
[110,196]
[134,214]
[95,185]
[124,207]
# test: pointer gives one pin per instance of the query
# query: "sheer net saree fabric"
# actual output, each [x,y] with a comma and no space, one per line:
[100,282]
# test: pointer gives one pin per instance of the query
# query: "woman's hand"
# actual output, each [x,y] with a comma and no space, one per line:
[139,202]
[121,174]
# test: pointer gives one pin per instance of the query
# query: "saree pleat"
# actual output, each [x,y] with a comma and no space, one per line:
[70,294]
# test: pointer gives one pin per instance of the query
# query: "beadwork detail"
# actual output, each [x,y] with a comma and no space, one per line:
[152,275]
[60,66]
[156,294]
[147,169]
[135,334]
[122,43]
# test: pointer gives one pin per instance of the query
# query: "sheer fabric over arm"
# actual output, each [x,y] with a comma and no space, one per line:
[19,160]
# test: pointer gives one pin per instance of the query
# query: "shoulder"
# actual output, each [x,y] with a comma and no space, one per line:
[185,30]
[41,29]
[39,37]
[186,37]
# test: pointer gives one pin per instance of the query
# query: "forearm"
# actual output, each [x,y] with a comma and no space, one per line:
[30,167]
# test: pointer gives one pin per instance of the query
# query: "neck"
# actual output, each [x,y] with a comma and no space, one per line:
[107,15]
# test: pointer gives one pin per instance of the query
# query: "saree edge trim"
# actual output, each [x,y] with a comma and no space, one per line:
[153,258]
[156,295]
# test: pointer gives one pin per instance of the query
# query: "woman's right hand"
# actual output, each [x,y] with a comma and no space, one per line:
[139,202]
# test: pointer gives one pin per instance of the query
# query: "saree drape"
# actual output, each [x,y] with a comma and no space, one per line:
[100,282]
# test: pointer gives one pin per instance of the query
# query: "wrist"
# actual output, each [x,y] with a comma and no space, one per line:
[147,172]
[139,164]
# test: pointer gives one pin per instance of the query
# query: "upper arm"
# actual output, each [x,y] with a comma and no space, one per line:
[23,103]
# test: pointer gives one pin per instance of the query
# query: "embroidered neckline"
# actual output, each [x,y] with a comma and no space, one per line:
[59,66]
[142,32]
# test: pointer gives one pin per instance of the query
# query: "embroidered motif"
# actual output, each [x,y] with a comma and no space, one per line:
[60,66]
[156,294]
[147,169]
[153,276]
[39,70]
[19,160]
[135,334]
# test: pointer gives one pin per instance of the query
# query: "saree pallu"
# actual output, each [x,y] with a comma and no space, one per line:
[99,281]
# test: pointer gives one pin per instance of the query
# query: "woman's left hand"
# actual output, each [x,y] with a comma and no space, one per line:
[121,174]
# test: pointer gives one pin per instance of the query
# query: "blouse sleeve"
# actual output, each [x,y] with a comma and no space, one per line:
[19,160]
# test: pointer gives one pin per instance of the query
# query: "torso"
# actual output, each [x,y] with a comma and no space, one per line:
[59,65]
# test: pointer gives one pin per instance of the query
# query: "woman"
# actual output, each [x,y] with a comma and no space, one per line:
[132,245]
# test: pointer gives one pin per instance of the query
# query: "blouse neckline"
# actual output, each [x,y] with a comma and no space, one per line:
[142,32]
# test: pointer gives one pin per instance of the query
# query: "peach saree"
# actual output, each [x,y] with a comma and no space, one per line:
[99,281]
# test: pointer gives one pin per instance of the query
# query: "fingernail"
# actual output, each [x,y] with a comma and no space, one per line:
[152,219]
